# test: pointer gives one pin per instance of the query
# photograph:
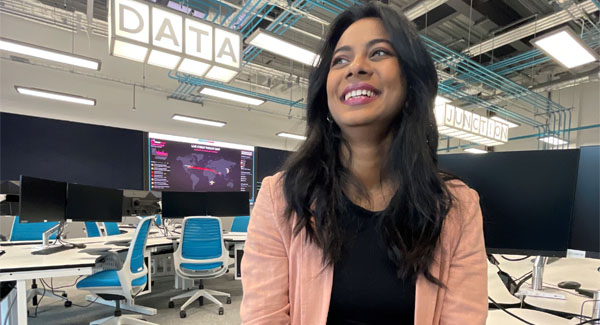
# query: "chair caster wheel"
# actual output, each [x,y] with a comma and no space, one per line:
[64,294]
[221,311]
[182,314]
[228,300]
[68,303]
[171,304]
[201,301]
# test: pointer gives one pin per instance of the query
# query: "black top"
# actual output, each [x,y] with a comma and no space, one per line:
[366,289]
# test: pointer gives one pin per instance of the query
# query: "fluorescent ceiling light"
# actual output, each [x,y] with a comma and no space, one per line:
[475,151]
[130,51]
[272,43]
[566,48]
[163,60]
[231,96]
[48,54]
[198,120]
[553,140]
[291,136]
[501,120]
[221,74]
[193,67]
[55,95]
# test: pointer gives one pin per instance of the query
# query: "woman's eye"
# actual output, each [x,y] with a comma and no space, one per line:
[380,53]
[338,61]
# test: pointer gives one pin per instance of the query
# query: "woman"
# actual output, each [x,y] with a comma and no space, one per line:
[361,227]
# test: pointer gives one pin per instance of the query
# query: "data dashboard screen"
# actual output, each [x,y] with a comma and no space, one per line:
[188,164]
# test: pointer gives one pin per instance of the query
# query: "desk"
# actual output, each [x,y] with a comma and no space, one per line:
[17,264]
[583,271]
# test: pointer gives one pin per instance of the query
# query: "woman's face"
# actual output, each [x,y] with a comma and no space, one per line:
[365,84]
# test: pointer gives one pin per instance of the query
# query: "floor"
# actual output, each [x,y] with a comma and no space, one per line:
[52,311]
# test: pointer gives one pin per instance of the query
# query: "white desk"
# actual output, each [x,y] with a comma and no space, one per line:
[583,271]
[18,264]
[238,239]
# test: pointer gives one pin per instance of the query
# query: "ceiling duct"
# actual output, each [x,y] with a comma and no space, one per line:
[532,28]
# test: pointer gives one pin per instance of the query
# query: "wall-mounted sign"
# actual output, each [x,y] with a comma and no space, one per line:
[456,122]
[145,32]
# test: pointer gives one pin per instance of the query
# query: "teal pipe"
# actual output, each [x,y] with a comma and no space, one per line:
[239,13]
[256,16]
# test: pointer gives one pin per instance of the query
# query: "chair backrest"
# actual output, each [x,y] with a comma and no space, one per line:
[240,224]
[92,229]
[159,220]
[112,228]
[134,262]
[201,238]
[30,231]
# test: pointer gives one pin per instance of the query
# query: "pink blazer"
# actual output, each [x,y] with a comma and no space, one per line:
[285,282]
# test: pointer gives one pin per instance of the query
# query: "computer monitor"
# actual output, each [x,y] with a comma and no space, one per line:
[42,200]
[183,204]
[526,197]
[91,203]
[585,229]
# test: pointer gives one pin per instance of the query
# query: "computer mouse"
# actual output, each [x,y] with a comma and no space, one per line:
[569,285]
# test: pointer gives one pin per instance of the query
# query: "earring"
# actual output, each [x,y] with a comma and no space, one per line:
[329,119]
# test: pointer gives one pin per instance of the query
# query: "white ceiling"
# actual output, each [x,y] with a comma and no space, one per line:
[113,90]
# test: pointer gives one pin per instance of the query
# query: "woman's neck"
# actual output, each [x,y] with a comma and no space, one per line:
[368,153]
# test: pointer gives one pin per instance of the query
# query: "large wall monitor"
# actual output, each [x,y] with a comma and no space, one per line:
[526,197]
[194,165]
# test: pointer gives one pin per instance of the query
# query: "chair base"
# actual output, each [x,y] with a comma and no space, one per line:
[134,308]
[196,294]
[122,320]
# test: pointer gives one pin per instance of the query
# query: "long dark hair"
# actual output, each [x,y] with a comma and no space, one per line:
[315,178]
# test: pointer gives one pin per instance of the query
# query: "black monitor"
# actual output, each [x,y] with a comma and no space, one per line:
[585,230]
[91,203]
[184,204]
[41,200]
[526,197]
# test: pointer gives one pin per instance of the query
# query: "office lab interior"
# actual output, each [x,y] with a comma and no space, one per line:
[135,136]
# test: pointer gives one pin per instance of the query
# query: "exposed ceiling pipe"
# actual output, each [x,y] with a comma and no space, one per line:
[422,7]
[540,25]
[584,77]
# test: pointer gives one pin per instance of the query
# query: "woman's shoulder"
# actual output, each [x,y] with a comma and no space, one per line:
[461,192]
[464,206]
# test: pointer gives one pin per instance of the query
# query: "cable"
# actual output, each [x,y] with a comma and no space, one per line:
[508,312]
[515,259]
[42,297]
[581,310]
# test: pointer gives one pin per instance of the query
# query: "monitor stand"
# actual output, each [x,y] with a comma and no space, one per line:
[48,248]
[536,289]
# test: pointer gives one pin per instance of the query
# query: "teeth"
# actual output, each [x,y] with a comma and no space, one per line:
[360,92]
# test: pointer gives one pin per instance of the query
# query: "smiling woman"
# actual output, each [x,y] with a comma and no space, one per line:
[361,227]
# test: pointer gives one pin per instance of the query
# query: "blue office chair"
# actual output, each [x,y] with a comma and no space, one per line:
[126,281]
[30,230]
[92,229]
[200,255]
[112,228]
[159,220]
[35,231]
[240,224]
